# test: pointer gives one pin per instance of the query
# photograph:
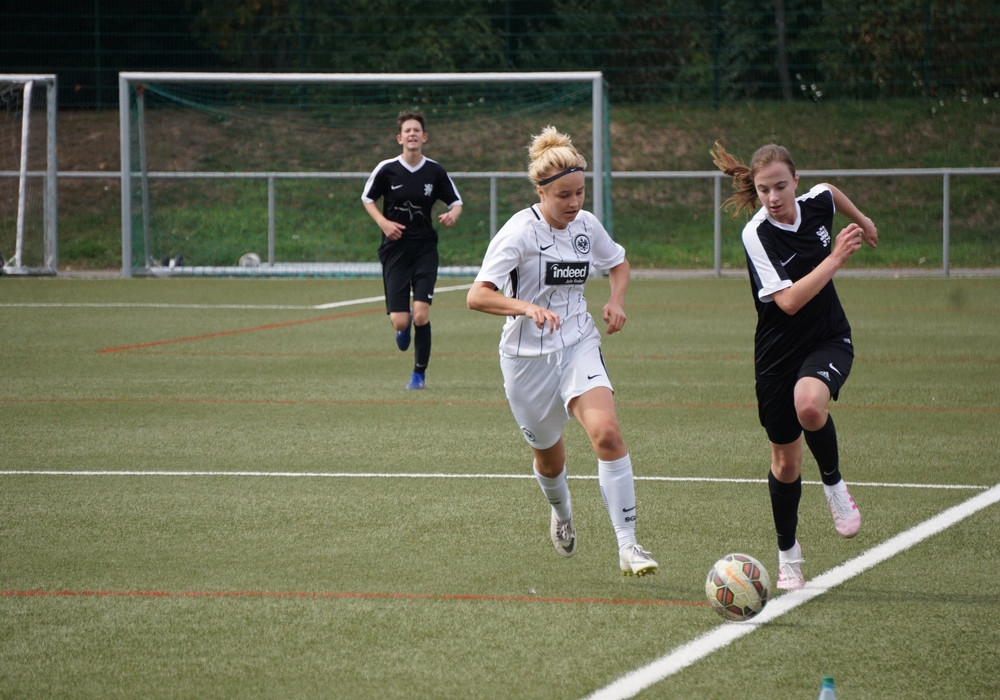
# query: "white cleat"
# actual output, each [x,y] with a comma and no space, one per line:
[563,536]
[636,561]
[846,516]
[790,569]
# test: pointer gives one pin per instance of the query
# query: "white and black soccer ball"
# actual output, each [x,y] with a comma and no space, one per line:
[738,587]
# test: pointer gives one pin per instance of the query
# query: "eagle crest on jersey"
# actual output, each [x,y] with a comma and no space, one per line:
[582,243]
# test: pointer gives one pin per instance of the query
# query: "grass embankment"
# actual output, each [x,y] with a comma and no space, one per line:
[664,223]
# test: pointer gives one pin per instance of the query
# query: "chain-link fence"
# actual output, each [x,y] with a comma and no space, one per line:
[706,52]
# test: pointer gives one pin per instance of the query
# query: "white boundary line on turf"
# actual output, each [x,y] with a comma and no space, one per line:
[683,656]
[349,302]
[263,307]
[152,305]
[411,475]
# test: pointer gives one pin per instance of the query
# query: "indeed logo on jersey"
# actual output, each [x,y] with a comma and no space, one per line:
[566,272]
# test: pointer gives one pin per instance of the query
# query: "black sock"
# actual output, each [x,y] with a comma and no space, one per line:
[785,509]
[421,347]
[823,445]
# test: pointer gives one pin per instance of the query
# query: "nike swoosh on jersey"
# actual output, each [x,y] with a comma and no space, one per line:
[785,262]
[546,247]
[395,187]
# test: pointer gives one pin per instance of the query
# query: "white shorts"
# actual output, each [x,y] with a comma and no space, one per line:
[539,389]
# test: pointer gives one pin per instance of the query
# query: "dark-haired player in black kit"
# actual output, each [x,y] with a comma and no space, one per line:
[409,185]
[802,346]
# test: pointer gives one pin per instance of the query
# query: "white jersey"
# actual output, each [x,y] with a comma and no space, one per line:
[529,259]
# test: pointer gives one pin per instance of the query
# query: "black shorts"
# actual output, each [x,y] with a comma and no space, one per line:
[830,363]
[408,266]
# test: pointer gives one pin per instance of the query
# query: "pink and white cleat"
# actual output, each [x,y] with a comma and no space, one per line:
[846,516]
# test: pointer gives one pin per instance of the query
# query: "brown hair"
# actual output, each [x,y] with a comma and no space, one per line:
[744,191]
[406,116]
[551,153]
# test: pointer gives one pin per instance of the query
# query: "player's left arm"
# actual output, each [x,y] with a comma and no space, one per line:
[447,192]
[449,217]
[614,311]
[843,204]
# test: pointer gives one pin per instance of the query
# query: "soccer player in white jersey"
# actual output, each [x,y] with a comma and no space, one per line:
[803,351]
[409,185]
[534,273]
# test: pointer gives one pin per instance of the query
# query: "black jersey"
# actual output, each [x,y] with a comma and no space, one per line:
[778,255]
[408,194]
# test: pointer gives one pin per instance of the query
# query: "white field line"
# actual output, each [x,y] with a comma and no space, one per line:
[719,637]
[248,307]
[634,682]
[335,304]
[151,305]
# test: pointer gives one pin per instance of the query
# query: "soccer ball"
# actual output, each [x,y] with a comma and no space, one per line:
[250,260]
[738,587]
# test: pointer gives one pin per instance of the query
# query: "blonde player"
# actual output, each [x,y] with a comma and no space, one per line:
[534,273]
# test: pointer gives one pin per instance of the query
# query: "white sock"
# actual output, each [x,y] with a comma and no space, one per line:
[618,492]
[793,555]
[840,486]
[556,491]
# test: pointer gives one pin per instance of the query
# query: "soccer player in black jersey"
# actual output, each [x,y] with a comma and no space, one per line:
[802,346]
[409,186]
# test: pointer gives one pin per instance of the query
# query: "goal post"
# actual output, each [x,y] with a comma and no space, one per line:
[28,174]
[269,178]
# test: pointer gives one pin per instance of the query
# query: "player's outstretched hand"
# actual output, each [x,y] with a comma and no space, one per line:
[447,218]
[392,230]
[541,316]
[848,242]
[869,232]
[614,316]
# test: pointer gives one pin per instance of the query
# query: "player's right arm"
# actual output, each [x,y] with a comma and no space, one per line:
[847,243]
[392,230]
[485,297]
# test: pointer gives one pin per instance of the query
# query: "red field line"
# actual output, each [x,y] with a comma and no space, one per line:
[237,331]
[245,402]
[341,595]
[425,402]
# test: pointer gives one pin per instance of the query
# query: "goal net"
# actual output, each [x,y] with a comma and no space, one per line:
[262,174]
[28,174]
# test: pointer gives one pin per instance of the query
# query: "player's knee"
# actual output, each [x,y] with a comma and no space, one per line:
[811,400]
[811,415]
[607,437]
[785,469]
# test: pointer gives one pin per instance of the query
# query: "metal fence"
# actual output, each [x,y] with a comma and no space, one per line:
[716,178]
